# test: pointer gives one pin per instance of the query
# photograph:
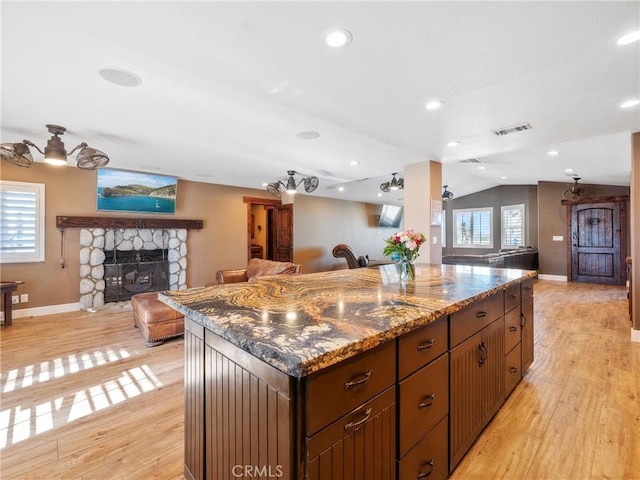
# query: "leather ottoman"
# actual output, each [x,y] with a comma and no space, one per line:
[156,321]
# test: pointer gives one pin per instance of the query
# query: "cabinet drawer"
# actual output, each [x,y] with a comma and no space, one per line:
[512,370]
[527,289]
[418,348]
[475,317]
[511,329]
[335,391]
[512,297]
[428,459]
[374,420]
[423,401]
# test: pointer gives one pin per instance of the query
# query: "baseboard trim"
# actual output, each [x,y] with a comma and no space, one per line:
[635,335]
[48,310]
[555,278]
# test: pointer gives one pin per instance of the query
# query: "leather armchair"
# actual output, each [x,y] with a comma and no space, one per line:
[257,268]
[342,250]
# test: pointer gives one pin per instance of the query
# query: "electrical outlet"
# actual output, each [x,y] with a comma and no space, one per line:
[15,299]
[434,240]
[24,298]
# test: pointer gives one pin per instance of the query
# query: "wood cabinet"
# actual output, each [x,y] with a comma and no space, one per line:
[351,417]
[423,402]
[408,408]
[476,383]
[359,445]
[526,324]
[476,371]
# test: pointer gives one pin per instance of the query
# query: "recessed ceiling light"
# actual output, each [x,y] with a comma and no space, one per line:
[354,162]
[629,38]
[482,167]
[119,76]
[630,103]
[454,143]
[379,194]
[434,104]
[264,184]
[568,170]
[310,135]
[339,38]
[341,189]
[553,152]
[503,178]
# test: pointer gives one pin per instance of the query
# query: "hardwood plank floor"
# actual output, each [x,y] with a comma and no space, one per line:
[83,398]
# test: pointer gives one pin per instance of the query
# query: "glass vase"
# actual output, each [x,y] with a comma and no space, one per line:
[407,269]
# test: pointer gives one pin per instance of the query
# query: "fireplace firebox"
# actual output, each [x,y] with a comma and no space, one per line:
[127,273]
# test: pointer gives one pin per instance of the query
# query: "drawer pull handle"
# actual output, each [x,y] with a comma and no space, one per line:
[513,329]
[523,320]
[426,473]
[482,349]
[427,401]
[481,314]
[513,296]
[360,381]
[526,289]
[426,345]
[355,425]
[513,369]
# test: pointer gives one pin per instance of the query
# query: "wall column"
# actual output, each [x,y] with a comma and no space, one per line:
[635,236]
[422,183]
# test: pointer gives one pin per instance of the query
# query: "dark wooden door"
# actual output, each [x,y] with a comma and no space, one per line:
[597,243]
[284,233]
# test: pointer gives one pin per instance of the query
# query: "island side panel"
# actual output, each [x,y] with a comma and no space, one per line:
[248,414]
[193,400]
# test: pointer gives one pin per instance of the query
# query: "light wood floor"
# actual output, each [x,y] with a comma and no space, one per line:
[83,398]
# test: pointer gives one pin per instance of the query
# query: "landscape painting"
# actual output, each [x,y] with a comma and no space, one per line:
[126,191]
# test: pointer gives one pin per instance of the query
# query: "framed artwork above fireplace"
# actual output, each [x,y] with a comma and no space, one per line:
[126,191]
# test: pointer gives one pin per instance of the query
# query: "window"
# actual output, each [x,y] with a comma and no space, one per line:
[21,222]
[513,226]
[472,228]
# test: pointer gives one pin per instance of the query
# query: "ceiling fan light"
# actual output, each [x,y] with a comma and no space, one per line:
[54,152]
[291,187]
[16,153]
[89,159]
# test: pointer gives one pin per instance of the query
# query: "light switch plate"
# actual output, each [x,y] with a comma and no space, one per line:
[558,238]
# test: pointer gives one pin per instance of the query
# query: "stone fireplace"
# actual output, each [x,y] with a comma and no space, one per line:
[117,263]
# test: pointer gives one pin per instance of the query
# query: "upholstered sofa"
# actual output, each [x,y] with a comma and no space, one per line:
[257,268]
[525,258]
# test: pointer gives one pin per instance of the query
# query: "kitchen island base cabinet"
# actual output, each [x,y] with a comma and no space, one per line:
[406,405]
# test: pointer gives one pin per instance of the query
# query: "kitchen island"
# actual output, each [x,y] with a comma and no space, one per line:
[346,374]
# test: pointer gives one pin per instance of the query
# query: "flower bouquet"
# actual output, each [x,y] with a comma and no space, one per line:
[403,247]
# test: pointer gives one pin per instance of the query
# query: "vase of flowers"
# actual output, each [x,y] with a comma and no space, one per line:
[404,246]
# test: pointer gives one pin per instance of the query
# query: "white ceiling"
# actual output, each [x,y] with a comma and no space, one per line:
[226,86]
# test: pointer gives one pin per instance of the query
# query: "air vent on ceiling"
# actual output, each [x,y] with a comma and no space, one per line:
[507,131]
[471,160]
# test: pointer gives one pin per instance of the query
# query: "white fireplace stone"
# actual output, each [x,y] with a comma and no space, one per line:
[95,241]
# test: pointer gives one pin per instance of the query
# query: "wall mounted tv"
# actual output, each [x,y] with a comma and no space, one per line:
[390,216]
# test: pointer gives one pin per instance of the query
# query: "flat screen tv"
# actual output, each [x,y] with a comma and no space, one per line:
[135,192]
[390,216]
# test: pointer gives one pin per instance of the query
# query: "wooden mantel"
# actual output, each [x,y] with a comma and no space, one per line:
[126,222]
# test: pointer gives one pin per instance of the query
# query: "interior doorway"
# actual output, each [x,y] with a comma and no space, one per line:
[597,229]
[269,229]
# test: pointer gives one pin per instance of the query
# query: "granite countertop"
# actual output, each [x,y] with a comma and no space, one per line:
[300,324]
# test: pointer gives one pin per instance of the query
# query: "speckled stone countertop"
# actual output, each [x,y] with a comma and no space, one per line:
[300,324]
